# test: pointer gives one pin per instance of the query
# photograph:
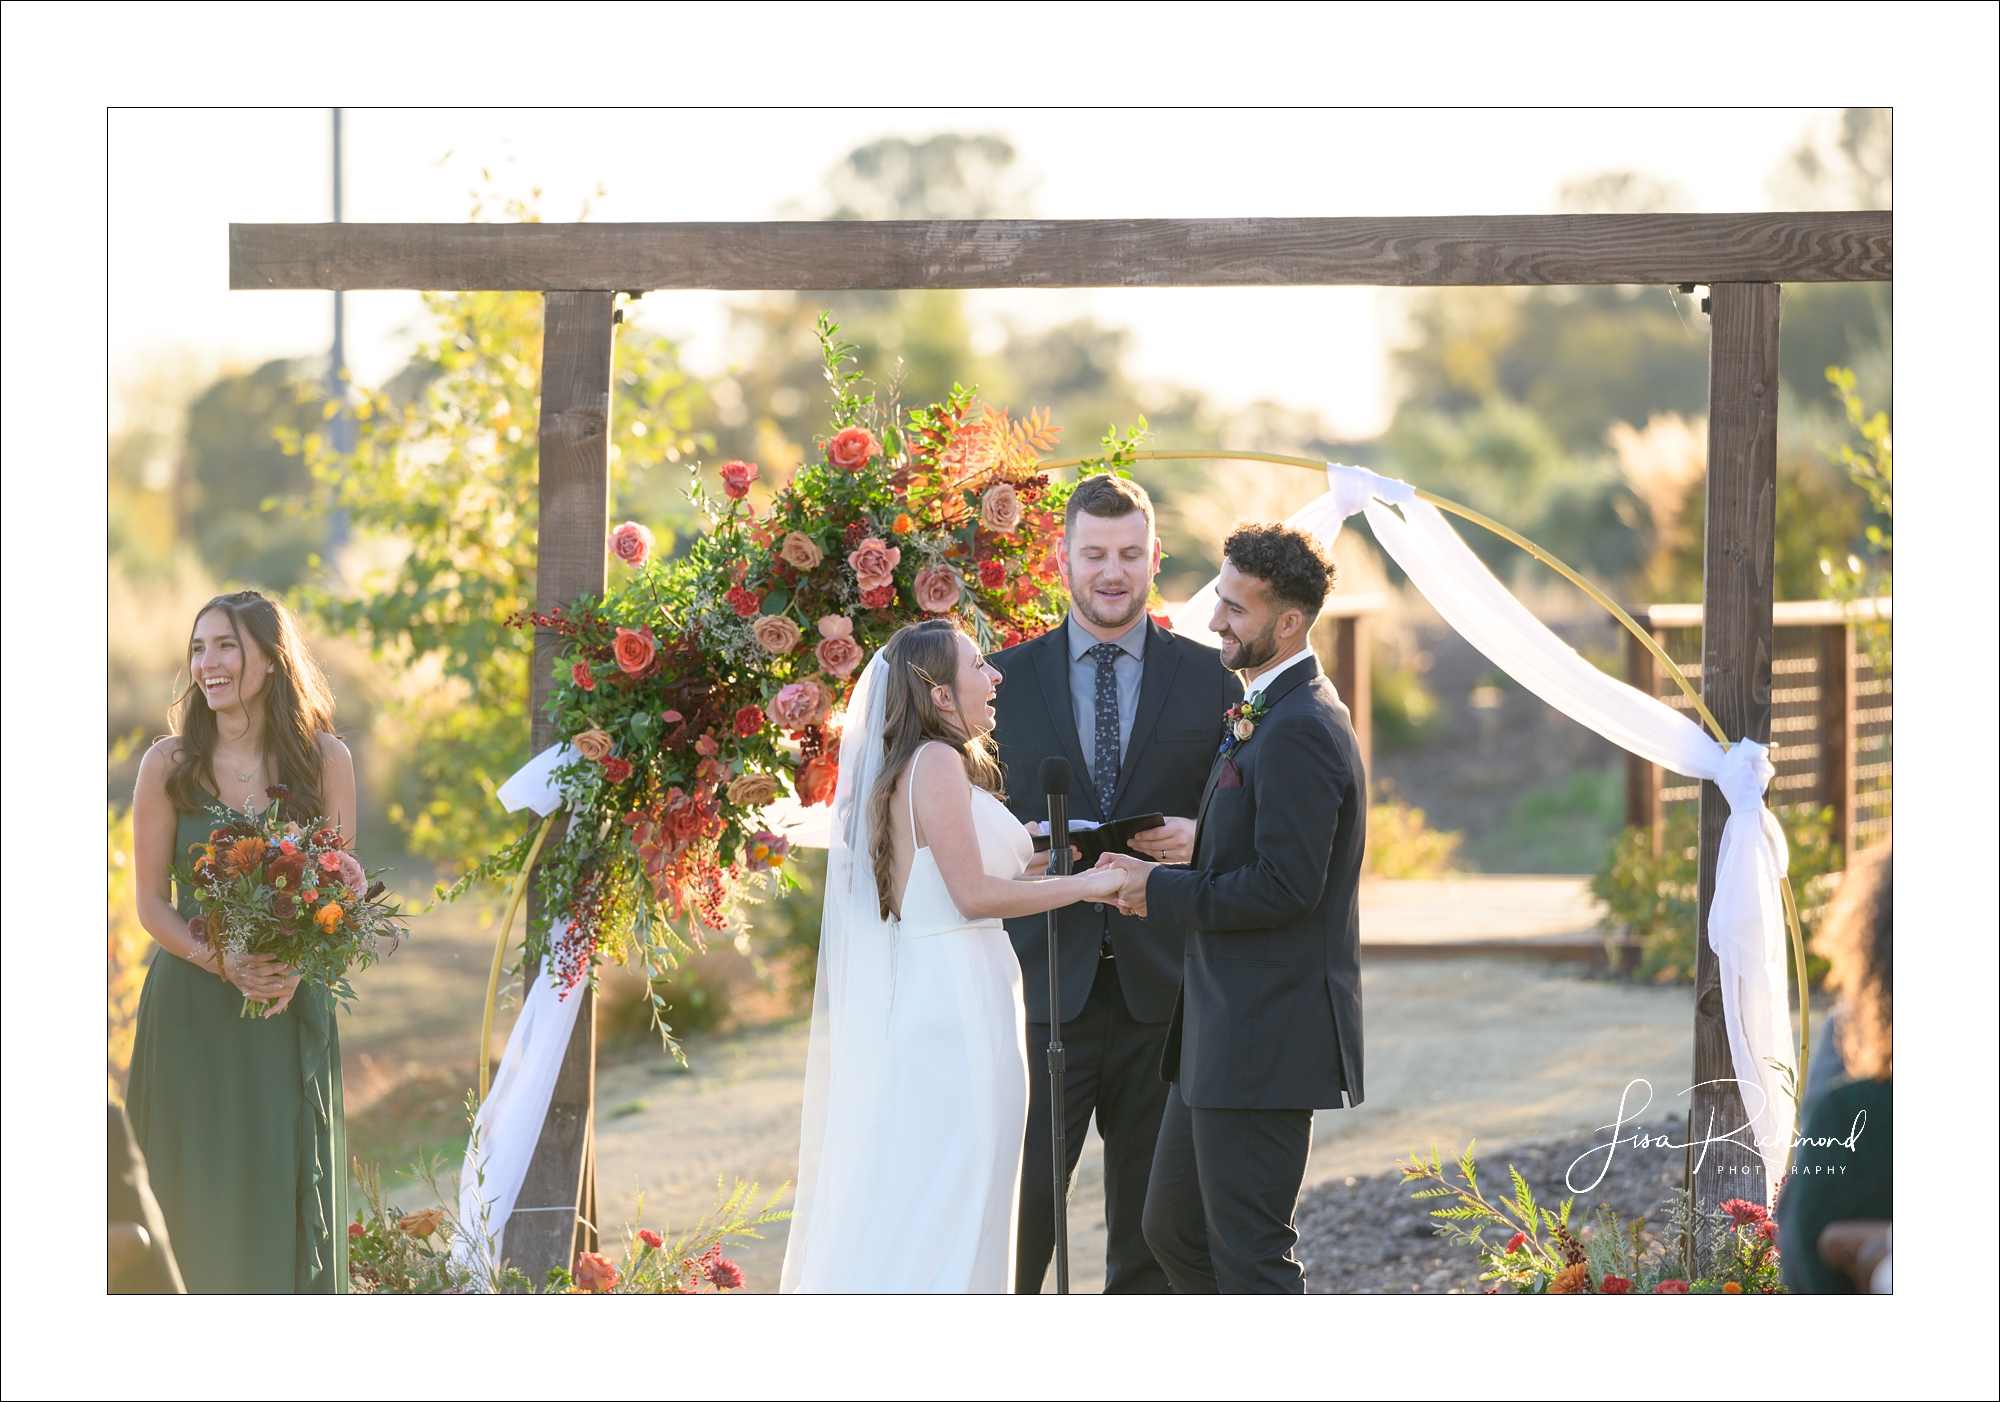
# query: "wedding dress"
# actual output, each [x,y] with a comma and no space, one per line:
[917,1074]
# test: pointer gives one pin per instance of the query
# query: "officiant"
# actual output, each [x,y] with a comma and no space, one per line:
[1137,712]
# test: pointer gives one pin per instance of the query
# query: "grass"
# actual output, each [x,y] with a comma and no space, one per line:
[1567,828]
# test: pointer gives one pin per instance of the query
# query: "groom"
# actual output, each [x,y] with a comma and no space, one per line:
[1268,1026]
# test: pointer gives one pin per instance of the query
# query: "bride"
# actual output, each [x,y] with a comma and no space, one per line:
[917,1076]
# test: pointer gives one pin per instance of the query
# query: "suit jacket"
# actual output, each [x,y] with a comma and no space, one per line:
[1175,732]
[1270,1009]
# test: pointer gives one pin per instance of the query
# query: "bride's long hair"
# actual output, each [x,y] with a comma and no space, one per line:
[918,658]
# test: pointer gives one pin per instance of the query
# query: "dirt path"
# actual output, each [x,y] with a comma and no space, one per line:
[1498,1049]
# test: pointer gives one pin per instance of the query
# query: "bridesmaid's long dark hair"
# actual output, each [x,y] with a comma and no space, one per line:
[298,708]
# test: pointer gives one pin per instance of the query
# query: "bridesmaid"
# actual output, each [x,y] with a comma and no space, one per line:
[240,1118]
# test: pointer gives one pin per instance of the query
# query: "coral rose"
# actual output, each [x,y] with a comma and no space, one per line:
[818,777]
[420,1223]
[581,675]
[799,552]
[1671,1287]
[1000,509]
[749,720]
[874,562]
[752,790]
[632,543]
[634,650]
[737,477]
[801,704]
[616,770]
[651,1240]
[836,625]
[595,1274]
[743,601]
[329,916]
[839,655]
[938,589]
[593,745]
[776,633]
[851,448]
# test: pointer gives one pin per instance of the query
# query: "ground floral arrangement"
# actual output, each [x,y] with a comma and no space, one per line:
[1730,1250]
[292,890]
[698,690]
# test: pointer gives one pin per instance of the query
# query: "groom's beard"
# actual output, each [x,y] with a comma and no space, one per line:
[1252,653]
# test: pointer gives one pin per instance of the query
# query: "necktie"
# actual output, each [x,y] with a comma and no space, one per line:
[1104,763]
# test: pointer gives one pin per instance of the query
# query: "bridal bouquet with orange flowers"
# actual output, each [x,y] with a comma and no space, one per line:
[293,891]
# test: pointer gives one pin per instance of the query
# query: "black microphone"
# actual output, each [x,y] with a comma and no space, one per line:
[1056,780]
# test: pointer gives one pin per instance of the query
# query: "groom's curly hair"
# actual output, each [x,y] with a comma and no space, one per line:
[1291,563]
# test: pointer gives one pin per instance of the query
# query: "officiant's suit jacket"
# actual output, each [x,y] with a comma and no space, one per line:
[1270,1010]
[1176,729]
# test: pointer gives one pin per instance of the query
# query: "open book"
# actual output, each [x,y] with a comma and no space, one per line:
[1093,840]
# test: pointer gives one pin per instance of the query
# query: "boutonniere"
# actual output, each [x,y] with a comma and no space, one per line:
[1239,722]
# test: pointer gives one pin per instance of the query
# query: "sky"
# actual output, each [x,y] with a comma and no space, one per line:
[179,177]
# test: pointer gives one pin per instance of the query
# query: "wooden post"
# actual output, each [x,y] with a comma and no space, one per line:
[1350,679]
[1836,729]
[1642,776]
[555,1214]
[1737,573]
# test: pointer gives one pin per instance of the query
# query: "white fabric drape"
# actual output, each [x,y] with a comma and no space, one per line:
[1746,925]
[509,1124]
[847,1059]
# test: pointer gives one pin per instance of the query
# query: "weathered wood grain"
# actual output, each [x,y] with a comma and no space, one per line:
[554,1216]
[1737,578]
[1454,251]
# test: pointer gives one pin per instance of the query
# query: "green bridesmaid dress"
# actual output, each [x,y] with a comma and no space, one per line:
[240,1120]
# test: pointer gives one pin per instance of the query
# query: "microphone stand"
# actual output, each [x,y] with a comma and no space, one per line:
[1059,850]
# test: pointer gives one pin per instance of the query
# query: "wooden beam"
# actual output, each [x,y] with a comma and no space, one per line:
[1454,251]
[1737,573]
[554,1214]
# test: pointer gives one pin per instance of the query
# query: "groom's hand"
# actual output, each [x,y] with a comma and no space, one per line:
[1172,841]
[1131,895]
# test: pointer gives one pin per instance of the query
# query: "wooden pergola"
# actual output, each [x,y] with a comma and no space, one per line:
[581,268]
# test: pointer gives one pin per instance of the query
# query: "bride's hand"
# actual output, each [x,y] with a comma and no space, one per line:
[1102,883]
[256,976]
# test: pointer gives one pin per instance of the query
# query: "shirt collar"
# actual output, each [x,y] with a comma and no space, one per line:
[1302,655]
[1132,640]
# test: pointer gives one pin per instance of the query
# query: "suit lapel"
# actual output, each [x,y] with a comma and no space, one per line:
[1163,659]
[1277,691]
[1052,666]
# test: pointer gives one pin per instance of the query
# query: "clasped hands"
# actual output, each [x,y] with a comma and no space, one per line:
[1171,842]
[261,978]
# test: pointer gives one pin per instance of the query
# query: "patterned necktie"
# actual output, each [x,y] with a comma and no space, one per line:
[1104,763]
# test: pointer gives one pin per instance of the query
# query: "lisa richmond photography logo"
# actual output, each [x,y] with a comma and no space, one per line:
[1743,1135]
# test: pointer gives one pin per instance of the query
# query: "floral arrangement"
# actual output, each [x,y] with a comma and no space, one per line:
[691,1264]
[291,890]
[697,691]
[1731,1250]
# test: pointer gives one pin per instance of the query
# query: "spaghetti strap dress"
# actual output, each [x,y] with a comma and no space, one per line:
[241,1123]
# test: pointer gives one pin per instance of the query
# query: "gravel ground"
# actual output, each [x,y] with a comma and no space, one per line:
[1367,1236]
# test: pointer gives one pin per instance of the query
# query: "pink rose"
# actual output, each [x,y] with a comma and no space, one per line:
[938,589]
[836,625]
[799,552]
[352,874]
[1000,509]
[632,543]
[801,704]
[776,633]
[593,745]
[839,656]
[634,649]
[851,448]
[874,562]
[737,477]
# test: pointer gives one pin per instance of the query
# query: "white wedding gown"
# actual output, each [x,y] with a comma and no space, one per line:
[910,1165]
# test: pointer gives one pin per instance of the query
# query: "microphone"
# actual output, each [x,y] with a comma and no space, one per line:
[1056,779]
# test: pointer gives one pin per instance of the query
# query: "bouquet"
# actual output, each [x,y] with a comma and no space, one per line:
[293,891]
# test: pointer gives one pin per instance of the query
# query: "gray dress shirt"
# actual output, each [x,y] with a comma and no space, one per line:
[1129,668]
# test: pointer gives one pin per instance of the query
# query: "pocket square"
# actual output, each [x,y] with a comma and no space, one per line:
[1232,777]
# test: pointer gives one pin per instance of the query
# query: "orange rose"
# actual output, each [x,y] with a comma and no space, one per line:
[799,552]
[1000,509]
[634,649]
[938,589]
[593,745]
[776,633]
[851,448]
[420,1223]
[753,790]
[328,917]
[595,1274]
[818,778]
